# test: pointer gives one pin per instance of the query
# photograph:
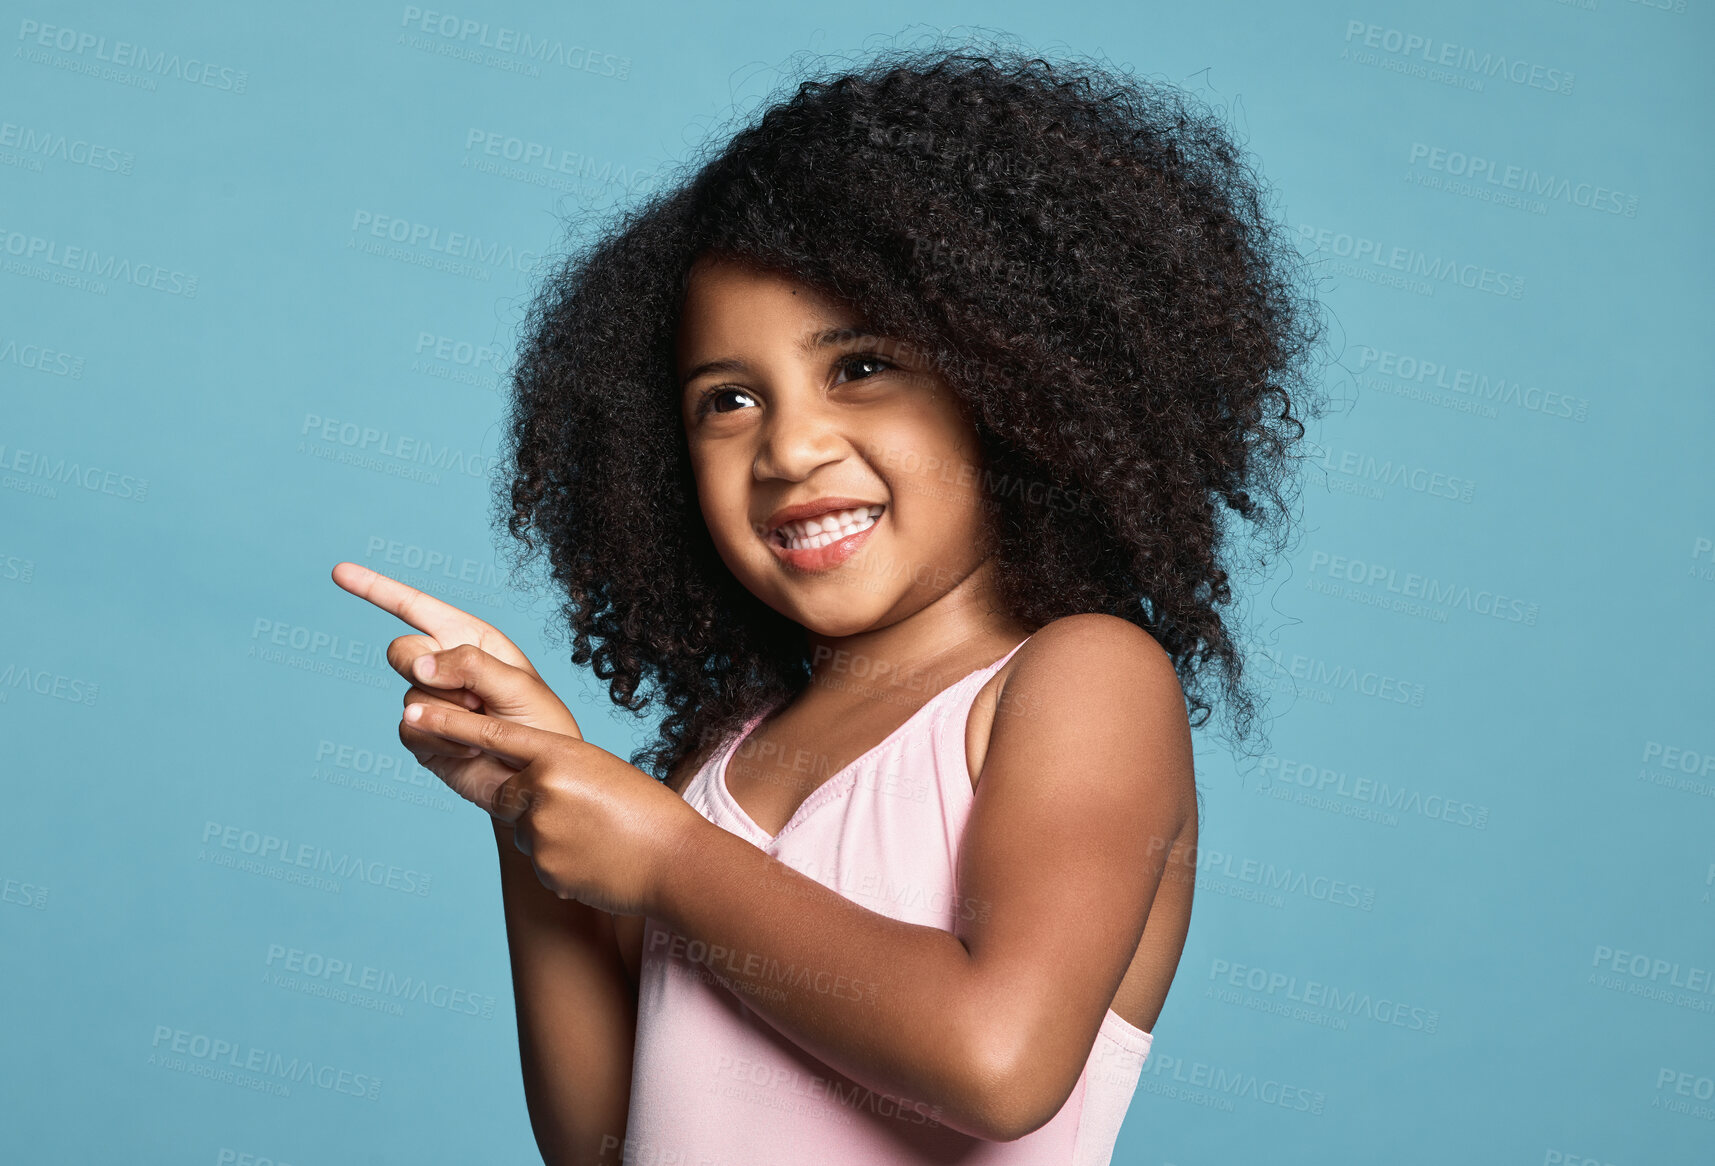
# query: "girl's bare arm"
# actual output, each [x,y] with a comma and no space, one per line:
[577,1020]
[577,1016]
[1086,784]
[577,1007]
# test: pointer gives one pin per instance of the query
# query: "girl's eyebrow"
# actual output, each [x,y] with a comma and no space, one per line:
[709,366]
[831,336]
[826,338]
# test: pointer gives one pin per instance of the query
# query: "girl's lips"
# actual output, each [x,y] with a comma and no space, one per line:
[828,557]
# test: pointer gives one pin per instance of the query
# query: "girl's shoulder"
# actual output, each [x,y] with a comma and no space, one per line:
[1081,649]
[1068,665]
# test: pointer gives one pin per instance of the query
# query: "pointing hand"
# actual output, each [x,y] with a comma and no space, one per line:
[459,662]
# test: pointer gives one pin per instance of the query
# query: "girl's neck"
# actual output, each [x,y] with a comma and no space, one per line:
[960,631]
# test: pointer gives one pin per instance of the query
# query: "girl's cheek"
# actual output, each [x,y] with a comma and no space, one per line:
[724,502]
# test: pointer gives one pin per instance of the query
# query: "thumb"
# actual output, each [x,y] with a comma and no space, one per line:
[505,691]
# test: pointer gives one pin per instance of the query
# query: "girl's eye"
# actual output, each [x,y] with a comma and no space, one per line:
[867,363]
[706,400]
[858,366]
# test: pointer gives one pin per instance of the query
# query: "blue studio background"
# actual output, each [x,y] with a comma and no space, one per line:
[1462,910]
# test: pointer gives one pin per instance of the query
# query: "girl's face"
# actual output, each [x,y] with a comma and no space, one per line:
[795,410]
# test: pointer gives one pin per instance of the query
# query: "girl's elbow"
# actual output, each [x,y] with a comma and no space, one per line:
[1008,1098]
[1007,1120]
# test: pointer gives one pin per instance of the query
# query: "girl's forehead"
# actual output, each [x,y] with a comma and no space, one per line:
[733,298]
[715,274]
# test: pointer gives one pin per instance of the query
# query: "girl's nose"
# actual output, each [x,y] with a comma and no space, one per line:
[797,439]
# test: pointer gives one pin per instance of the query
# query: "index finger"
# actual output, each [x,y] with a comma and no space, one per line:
[447,624]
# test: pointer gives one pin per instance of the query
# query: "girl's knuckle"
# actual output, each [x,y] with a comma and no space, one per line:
[511,797]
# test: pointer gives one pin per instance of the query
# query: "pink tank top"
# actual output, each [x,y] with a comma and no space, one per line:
[715,1084]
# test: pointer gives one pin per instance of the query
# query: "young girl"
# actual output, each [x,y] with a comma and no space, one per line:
[897,446]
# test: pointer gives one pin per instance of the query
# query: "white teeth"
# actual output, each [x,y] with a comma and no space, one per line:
[808,534]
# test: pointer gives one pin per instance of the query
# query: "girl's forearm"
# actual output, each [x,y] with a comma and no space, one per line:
[577,1016]
[894,1006]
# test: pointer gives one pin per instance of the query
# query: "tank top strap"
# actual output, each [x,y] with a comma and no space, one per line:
[944,735]
[972,682]
[1010,654]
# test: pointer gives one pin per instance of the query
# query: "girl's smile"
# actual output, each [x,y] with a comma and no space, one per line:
[822,534]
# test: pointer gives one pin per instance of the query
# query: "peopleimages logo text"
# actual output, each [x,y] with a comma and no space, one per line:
[1434,51]
[542,50]
[128,55]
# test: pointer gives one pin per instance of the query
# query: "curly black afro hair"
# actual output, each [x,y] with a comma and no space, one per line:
[1086,256]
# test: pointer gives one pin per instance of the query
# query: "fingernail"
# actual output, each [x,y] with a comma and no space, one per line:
[425,667]
[414,713]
